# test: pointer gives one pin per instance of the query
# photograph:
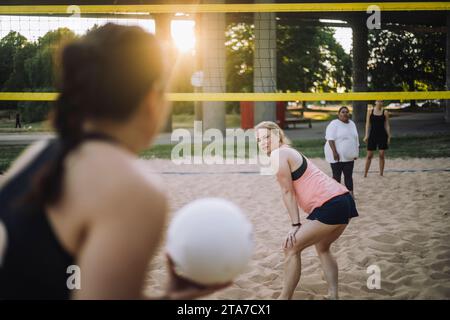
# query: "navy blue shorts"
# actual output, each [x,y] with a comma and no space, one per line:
[337,210]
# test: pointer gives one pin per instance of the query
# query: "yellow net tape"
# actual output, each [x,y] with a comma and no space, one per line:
[271,7]
[227,8]
[350,96]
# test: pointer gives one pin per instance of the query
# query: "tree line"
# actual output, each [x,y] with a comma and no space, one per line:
[309,59]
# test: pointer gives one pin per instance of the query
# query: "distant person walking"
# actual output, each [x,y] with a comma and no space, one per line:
[378,134]
[18,123]
[342,147]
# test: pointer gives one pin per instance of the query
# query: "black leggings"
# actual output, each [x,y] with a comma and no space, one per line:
[347,168]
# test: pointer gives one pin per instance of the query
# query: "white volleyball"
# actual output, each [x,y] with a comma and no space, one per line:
[210,241]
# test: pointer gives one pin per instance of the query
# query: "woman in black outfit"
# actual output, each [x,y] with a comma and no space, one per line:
[378,134]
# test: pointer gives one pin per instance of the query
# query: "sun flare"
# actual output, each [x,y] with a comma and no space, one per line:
[183,34]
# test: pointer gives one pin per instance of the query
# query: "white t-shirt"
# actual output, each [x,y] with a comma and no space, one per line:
[345,136]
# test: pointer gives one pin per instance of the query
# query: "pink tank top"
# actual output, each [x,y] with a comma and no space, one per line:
[314,188]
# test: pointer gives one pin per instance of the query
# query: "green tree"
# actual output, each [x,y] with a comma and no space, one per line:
[239,60]
[26,66]
[40,67]
[36,70]
[9,46]
[239,57]
[19,79]
[406,61]
[308,59]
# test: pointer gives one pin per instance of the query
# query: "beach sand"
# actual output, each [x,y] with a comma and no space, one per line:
[403,228]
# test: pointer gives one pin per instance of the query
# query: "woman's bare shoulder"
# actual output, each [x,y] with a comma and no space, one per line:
[110,180]
[282,152]
[290,155]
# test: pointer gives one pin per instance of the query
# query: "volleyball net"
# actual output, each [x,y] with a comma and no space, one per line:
[221,52]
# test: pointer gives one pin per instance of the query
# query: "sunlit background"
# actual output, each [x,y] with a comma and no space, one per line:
[183,34]
[182,31]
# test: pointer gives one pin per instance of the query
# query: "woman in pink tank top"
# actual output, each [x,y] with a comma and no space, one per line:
[327,203]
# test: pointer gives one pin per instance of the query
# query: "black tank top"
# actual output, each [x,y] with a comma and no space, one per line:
[34,264]
[377,128]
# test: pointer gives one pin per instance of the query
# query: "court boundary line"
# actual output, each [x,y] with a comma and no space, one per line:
[258,173]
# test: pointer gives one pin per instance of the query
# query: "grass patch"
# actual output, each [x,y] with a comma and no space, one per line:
[187,121]
[160,151]
[178,121]
[8,126]
[435,146]
[8,154]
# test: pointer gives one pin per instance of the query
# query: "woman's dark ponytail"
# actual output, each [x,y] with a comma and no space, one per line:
[67,120]
[103,75]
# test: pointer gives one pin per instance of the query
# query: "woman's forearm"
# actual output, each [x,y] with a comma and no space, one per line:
[291,206]
[332,146]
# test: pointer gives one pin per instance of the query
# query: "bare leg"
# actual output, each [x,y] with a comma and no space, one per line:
[292,272]
[310,233]
[368,161]
[330,269]
[381,155]
[329,264]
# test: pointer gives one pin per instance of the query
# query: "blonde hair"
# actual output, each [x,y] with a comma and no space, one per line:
[270,125]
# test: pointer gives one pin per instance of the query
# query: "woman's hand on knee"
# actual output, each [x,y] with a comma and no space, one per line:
[289,241]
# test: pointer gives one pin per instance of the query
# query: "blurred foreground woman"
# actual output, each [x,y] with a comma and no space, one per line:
[79,217]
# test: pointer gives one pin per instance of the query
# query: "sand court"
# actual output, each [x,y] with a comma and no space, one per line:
[403,228]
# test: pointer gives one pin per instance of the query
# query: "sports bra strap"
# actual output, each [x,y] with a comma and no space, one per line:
[98,136]
[301,170]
